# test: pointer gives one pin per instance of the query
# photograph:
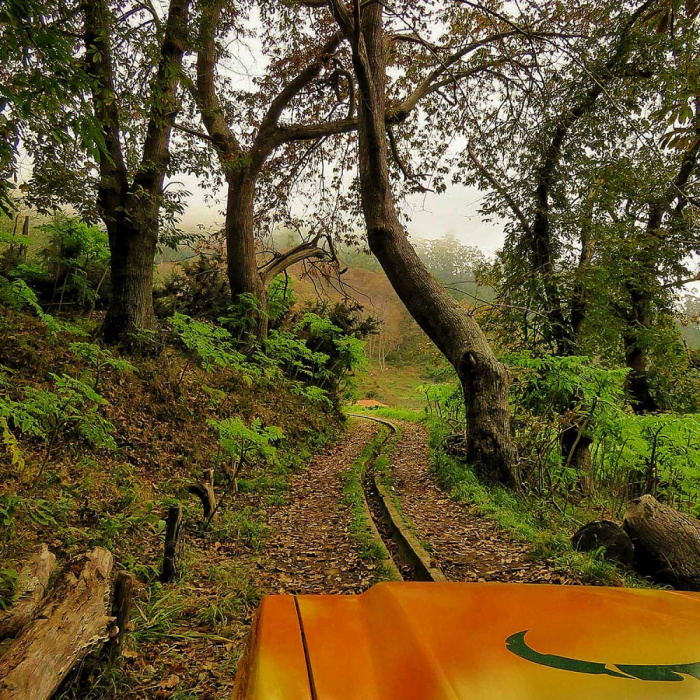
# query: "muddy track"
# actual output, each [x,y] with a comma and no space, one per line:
[313,548]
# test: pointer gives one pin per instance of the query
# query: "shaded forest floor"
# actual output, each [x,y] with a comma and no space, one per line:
[291,527]
[307,544]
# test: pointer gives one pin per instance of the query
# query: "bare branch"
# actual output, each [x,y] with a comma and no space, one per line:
[501,189]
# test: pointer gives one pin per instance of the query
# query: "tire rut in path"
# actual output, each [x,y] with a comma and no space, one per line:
[311,549]
[465,546]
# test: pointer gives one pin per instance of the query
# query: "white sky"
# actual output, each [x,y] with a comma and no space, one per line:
[455,212]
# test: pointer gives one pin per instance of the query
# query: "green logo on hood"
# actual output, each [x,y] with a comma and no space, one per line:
[644,672]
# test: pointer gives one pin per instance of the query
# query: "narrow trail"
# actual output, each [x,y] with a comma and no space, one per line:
[312,549]
[465,546]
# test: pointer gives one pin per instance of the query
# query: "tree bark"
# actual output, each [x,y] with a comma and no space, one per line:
[131,210]
[667,543]
[639,318]
[458,336]
[133,250]
[174,545]
[30,590]
[241,252]
[72,622]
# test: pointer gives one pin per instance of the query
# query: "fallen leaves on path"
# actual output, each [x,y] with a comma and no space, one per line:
[312,549]
[465,545]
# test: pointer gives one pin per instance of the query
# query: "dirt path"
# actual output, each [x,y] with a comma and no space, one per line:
[312,549]
[465,546]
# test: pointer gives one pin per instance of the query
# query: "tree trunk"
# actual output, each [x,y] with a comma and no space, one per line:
[575,449]
[667,543]
[122,600]
[457,335]
[72,622]
[243,274]
[133,250]
[131,212]
[30,590]
[636,357]
[174,545]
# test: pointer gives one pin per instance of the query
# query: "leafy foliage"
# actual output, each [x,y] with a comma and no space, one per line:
[72,407]
[240,442]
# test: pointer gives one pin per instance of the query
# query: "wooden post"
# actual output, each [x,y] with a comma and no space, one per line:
[205,492]
[122,599]
[173,545]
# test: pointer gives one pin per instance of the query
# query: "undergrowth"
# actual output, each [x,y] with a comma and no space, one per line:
[531,520]
[526,519]
[96,445]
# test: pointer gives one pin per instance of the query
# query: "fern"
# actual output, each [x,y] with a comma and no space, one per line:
[12,446]
[211,345]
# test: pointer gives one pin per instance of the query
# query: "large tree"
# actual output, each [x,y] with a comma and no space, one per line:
[577,159]
[255,132]
[129,199]
[484,379]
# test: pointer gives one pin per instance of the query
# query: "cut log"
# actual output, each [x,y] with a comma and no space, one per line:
[605,533]
[174,545]
[30,590]
[72,621]
[666,542]
[205,492]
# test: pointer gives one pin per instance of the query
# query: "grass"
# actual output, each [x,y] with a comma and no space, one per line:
[534,521]
[390,413]
[396,386]
[527,520]
[353,496]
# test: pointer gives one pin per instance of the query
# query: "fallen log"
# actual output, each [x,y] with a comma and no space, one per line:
[29,592]
[666,543]
[616,542]
[71,622]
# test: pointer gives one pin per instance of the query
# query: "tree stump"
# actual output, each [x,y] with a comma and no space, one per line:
[605,533]
[667,543]
[30,590]
[72,621]
[174,545]
[122,599]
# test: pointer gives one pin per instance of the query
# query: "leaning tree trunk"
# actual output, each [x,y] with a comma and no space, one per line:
[458,336]
[667,543]
[133,250]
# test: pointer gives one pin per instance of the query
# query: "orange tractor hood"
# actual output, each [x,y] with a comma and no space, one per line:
[475,640]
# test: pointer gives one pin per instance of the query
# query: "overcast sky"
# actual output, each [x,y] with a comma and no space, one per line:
[454,212]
